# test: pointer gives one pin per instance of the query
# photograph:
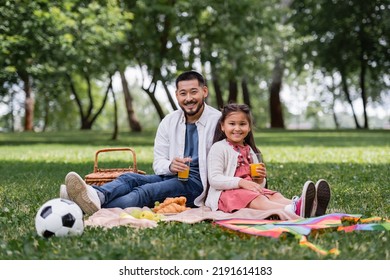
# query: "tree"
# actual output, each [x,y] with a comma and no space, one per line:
[348,37]
[68,37]
[88,34]
[158,54]
[20,47]
[131,116]
[226,38]
[275,107]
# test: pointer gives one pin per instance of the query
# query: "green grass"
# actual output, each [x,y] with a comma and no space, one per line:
[356,163]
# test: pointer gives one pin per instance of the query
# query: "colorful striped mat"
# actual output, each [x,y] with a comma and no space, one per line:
[301,228]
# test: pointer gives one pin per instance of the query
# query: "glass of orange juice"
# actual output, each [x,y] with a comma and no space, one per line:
[183,175]
[256,163]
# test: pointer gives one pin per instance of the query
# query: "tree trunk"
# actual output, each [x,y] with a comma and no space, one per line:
[245,92]
[88,119]
[169,96]
[90,98]
[346,91]
[116,130]
[150,90]
[29,102]
[159,110]
[76,98]
[276,111]
[134,124]
[217,88]
[363,89]
[332,89]
[233,90]
[12,119]
[92,117]
[46,113]
[336,122]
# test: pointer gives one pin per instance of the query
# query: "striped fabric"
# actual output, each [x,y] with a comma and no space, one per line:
[301,228]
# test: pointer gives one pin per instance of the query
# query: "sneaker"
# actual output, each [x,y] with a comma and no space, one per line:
[322,198]
[302,206]
[82,194]
[63,192]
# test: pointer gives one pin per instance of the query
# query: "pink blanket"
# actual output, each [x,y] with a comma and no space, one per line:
[112,217]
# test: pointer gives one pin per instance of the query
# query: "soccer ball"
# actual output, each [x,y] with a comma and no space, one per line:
[59,217]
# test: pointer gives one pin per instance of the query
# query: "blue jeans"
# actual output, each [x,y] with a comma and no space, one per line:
[137,190]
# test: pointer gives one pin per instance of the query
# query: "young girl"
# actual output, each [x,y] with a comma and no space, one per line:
[232,187]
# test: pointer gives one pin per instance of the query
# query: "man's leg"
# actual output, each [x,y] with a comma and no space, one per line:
[124,184]
[148,194]
[84,195]
[91,198]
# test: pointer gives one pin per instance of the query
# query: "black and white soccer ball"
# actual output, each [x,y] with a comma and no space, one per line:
[59,217]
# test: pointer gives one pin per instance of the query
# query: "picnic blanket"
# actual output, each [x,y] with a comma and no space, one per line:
[111,217]
[250,221]
[303,227]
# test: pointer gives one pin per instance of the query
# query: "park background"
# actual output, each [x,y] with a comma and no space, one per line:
[111,65]
[77,76]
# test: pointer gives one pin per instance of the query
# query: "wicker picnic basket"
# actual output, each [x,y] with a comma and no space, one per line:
[101,176]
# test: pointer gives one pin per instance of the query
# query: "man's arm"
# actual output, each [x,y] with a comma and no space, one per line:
[161,161]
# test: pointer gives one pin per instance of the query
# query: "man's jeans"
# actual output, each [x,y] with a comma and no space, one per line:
[137,190]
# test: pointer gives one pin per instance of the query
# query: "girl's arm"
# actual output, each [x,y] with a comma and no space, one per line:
[251,185]
[217,171]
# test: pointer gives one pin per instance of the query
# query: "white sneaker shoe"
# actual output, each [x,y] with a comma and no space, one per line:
[290,208]
[82,194]
[64,193]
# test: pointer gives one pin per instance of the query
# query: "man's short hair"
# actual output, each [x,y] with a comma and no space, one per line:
[191,75]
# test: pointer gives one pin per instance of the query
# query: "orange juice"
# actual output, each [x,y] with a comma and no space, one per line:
[183,175]
[254,173]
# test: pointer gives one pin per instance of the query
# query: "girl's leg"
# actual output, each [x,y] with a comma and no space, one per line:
[279,198]
[263,203]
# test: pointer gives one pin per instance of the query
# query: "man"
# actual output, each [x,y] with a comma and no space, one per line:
[183,135]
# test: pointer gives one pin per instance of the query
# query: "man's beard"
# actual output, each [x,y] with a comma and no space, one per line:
[194,111]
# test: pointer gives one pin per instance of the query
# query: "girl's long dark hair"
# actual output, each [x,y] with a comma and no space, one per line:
[228,109]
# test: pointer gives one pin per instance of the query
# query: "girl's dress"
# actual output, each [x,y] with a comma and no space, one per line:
[233,200]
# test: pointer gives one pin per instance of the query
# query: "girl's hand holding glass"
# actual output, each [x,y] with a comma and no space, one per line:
[261,173]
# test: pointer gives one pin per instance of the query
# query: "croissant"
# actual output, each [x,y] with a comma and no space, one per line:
[172,208]
[179,200]
[169,200]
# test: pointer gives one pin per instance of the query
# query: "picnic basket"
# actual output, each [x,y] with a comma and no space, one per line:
[100,176]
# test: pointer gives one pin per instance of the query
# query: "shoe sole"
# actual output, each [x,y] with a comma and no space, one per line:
[77,191]
[323,197]
[309,193]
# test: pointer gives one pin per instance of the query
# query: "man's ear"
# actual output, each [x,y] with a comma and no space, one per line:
[205,91]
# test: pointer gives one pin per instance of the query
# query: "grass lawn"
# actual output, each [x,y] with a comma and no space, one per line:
[355,163]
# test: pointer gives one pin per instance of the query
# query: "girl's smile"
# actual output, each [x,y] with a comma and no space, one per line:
[236,127]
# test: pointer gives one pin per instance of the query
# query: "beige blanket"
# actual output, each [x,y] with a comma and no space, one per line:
[112,217]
